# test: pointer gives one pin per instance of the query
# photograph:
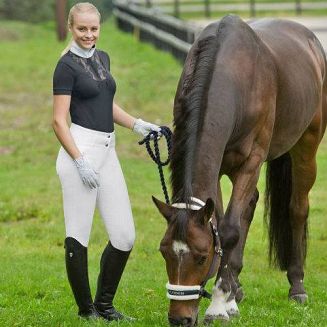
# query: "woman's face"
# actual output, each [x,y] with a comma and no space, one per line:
[86,29]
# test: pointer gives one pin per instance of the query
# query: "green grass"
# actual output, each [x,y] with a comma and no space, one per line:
[246,14]
[186,11]
[34,290]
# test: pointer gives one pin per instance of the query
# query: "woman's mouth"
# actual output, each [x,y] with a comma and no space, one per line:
[88,41]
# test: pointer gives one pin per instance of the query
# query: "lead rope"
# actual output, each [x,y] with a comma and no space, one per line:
[155,155]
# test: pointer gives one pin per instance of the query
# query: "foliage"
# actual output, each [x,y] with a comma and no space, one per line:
[38,11]
[31,10]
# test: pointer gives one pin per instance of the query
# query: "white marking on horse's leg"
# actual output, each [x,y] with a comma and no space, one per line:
[232,308]
[180,247]
[217,307]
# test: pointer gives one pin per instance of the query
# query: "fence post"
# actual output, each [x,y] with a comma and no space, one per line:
[252,8]
[207,8]
[176,8]
[298,7]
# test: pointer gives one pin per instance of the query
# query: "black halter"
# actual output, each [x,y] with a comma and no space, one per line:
[218,252]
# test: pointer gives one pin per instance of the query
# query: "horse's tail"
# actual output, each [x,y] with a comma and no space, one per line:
[277,201]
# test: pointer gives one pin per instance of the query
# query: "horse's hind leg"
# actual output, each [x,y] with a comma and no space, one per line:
[303,156]
[236,261]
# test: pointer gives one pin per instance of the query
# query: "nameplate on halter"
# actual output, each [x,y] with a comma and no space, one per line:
[183,292]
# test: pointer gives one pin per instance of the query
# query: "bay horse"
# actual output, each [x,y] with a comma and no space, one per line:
[248,94]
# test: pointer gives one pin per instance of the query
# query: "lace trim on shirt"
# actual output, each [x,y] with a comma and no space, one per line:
[93,66]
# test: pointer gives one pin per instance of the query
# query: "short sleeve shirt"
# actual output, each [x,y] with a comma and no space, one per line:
[91,86]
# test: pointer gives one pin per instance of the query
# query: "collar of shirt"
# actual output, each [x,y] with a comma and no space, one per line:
[84,53]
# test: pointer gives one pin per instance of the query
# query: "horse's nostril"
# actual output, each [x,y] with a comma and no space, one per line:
[183,321]
[173,321]
[187,321]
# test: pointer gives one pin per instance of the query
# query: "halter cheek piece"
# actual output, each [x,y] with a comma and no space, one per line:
[193,292]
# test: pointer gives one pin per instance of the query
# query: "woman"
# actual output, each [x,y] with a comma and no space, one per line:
[87,164]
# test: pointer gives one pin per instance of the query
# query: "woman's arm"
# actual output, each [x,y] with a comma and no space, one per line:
[122,118]
[61,105]
[138,126]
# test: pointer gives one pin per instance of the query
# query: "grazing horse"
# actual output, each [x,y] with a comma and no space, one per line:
[248,93]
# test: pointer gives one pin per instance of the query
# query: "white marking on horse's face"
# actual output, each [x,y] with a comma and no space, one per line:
[180,248]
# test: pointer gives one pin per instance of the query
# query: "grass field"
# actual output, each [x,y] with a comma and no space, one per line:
[195,9]
[34,290]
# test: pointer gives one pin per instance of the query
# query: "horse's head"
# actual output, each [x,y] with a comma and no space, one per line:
[191,250]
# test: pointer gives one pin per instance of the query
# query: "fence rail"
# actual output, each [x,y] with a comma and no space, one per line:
[176,7]
[151,25]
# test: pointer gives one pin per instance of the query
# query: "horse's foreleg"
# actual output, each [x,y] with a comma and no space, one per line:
[244,186]
[236,260]
[218,306]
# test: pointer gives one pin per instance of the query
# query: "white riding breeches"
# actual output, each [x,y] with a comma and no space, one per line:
[111,197]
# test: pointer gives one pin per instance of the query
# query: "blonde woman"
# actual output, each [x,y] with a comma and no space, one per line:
[87,163]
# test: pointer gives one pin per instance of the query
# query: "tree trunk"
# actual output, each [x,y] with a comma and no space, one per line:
[61,6]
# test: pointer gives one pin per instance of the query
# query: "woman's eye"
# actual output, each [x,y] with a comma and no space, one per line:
[94,29]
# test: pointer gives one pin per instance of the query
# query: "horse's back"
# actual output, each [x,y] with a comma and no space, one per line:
[301,68]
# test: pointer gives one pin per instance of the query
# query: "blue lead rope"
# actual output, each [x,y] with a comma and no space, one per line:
[155,154]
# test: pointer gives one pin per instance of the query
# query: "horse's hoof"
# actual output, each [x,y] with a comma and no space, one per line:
[299,298]
[233,313]
[232,308]
[208,319]
[239,295]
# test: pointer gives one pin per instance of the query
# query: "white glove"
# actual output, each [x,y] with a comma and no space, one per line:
[86,172]
[144,128]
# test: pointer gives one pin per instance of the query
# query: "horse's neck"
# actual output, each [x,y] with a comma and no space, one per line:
[207,164]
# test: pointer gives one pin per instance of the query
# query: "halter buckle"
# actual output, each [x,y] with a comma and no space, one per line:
[219,251]
[205,293]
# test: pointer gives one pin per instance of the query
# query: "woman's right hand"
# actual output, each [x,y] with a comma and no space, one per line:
[87,173]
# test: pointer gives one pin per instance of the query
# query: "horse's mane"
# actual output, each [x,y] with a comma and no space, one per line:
[188,123]
[188,119]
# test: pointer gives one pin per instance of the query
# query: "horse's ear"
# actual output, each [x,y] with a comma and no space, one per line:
[206,212]
[165,209]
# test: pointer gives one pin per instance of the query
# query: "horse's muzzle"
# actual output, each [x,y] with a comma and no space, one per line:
[182,321]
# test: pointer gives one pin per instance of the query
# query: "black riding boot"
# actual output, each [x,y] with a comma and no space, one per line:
[112,265]
[76,266]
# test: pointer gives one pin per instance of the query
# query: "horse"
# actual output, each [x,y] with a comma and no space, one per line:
[249,93]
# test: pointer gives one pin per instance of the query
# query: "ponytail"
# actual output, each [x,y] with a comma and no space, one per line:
[67,47]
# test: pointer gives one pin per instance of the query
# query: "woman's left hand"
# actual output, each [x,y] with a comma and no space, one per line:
[144,128]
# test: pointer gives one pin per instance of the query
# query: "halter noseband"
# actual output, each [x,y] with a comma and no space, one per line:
[193,292]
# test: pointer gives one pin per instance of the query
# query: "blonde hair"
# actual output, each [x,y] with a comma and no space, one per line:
[80,7]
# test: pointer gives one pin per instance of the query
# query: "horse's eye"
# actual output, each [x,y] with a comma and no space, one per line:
[202,260]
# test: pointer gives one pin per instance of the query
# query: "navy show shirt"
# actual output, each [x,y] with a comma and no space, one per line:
[91,86]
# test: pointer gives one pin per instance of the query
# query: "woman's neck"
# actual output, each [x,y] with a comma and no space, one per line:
[81,52]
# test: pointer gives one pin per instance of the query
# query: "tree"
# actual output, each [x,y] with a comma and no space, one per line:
[61,6]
